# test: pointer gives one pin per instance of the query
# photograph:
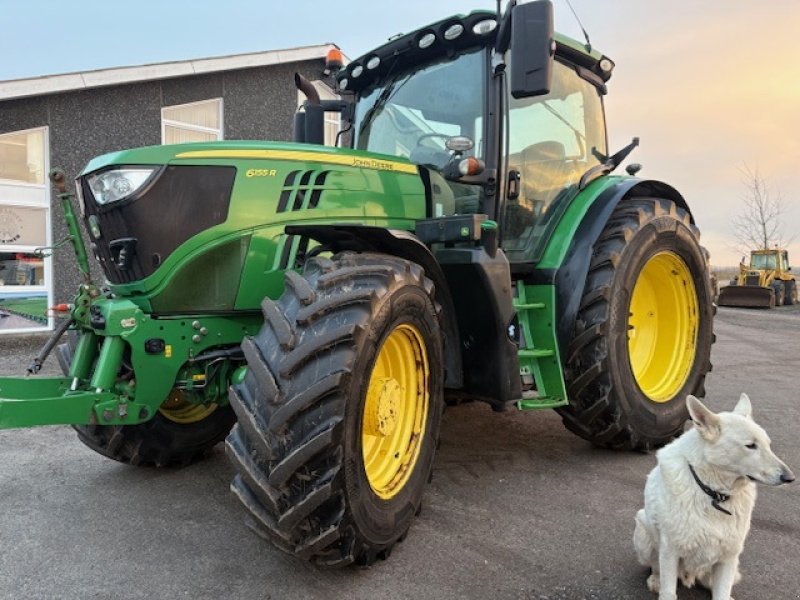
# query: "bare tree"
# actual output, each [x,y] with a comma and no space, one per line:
[759,226]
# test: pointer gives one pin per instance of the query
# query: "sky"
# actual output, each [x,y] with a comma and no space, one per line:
[711,87]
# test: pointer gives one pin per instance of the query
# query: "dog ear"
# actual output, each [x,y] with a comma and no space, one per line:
[743,407]
[706,421]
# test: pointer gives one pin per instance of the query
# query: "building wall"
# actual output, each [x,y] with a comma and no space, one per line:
[258,103]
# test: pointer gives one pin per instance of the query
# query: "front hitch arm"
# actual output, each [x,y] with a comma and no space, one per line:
[59,180]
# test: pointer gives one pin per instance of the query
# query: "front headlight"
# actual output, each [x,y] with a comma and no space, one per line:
[116,184]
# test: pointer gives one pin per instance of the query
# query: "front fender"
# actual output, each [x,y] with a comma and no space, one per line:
[404,244]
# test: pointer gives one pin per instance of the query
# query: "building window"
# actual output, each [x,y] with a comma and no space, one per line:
[22,157]
[25,276]
[333,120]
[195,122]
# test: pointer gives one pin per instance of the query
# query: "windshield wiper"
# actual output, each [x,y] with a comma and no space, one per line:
[384,97]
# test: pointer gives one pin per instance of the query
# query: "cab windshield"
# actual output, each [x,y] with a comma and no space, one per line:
[764,261]
[413,113]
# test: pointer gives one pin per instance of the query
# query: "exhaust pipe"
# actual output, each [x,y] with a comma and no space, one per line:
[304,85]
[309,125]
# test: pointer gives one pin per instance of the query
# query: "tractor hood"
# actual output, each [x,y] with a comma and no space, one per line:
[183,153]
[151,211]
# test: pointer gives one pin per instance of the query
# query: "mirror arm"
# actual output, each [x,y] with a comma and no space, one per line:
[608,165]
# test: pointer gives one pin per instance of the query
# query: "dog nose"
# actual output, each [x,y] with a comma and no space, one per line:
[787,476]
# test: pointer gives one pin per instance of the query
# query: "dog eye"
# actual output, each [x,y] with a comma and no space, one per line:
[751,446]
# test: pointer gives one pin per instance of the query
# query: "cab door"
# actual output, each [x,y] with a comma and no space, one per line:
[552,140]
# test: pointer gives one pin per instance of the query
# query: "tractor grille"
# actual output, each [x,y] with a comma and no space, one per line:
[182,202]
[752,280]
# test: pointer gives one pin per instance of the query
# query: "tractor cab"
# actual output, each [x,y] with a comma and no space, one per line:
[764,260]
[503,117]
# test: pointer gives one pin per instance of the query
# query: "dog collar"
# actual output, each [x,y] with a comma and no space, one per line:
[716,497]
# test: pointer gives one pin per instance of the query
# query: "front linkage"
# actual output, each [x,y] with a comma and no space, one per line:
[196,356]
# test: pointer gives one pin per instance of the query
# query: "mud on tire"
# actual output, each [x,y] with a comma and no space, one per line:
[297,443]
[607,406]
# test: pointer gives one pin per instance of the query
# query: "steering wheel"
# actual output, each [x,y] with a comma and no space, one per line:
[432,134]
[430,156]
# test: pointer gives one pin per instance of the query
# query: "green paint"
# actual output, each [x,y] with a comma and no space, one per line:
[28,402]
[108,363]
[75,235]
[539,354]
[559,240]
[353,194]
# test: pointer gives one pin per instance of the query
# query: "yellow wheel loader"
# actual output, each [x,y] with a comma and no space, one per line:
[765,283]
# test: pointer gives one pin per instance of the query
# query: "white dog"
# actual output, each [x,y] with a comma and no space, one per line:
[699,498]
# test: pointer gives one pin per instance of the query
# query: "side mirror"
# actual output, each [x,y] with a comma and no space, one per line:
[532,48]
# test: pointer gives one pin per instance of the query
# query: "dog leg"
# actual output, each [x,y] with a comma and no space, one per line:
[723,578]
[668,571]
[645,541]
[653,583]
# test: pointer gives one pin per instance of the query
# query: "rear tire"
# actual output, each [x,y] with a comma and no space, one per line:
[780,296]
[790,292]
[307,472]
[160,441]
[608,405]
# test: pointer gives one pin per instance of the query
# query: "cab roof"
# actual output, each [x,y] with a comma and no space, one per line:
[479,29]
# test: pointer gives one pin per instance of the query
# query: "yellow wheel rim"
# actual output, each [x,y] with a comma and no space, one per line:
[662,326]
[395,411]
[178,409]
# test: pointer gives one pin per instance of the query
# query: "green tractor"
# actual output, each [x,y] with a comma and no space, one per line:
[318,305]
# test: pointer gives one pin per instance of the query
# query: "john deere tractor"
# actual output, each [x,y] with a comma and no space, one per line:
[468,239]
[765,283]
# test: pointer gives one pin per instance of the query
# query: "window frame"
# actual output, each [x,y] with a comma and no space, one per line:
[190,127]
[36,196]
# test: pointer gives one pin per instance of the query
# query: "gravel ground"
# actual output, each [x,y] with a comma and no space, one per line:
[518,507]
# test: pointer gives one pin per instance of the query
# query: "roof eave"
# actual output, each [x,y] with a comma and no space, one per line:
[68,82]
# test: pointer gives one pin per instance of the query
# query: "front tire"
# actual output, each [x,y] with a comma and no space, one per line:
[644,329]
[340,410]
[163,441]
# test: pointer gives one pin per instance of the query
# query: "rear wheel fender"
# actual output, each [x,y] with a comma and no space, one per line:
[569,278]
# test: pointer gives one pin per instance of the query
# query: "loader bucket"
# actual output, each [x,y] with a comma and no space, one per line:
[746,296]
